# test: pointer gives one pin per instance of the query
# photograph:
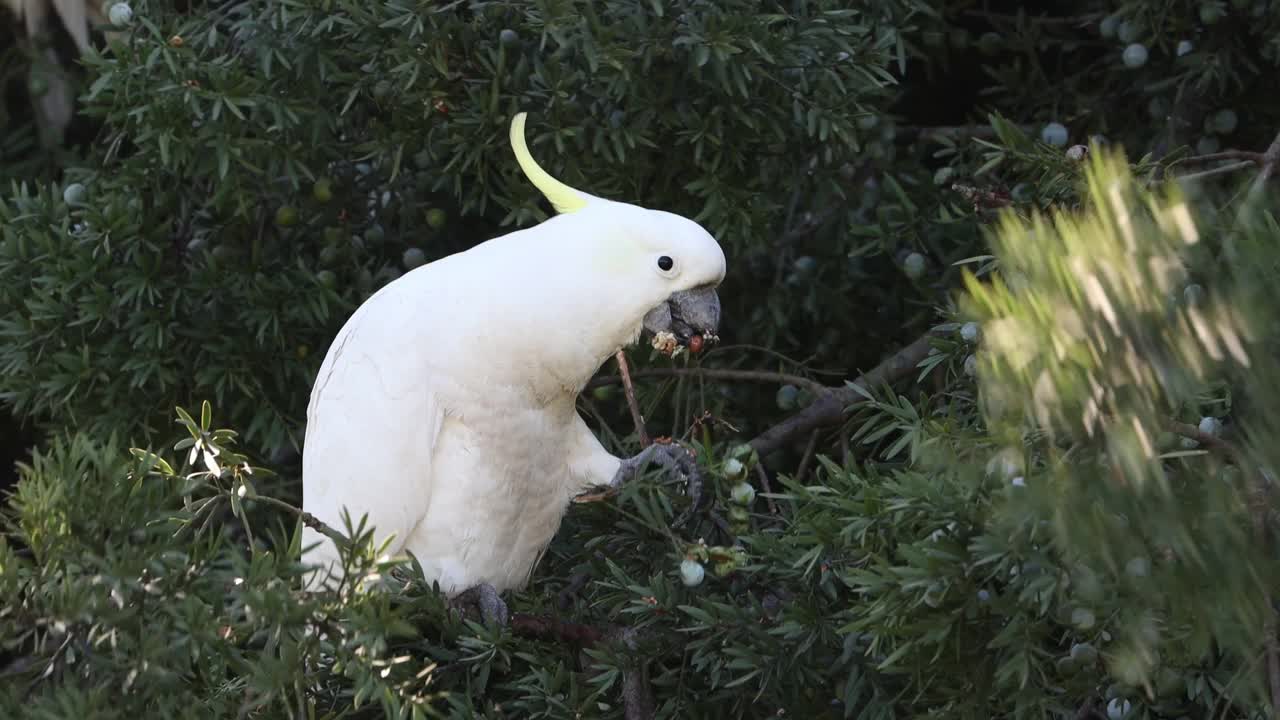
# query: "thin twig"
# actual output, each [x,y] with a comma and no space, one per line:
[1255,157]
[829,408]
[307,518]
[1220,170]
[948,132]
[767,487]
[763,376]
[807,458]
[1077,20]
[636,417]
[1270,160]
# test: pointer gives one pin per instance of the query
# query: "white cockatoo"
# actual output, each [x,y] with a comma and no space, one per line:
[445,409]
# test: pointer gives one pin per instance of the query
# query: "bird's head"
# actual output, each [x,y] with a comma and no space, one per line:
[665,267]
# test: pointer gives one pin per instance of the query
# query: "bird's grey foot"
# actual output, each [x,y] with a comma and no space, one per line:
[674,459]
[492,608]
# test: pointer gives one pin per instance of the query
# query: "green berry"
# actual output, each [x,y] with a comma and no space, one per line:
[943,175]
[322,190]
[734,468]
[1208,145]
[805,264]
[382,89]
[1118,709]
[1193,294]
[743,493]
[1225,121]
[1084,653]
[1107,28]
[1210,425]
[74,194]
[969,332]
[436,218]
[738,513]
[786,397]
[603,393]
[327,278]
[286,216]
[691,572]
[914,266]
[1083,618]
[413,257]
[1135,55]
[1211,13]
[374,234]
[120,14]
[1055,134]
[509,37]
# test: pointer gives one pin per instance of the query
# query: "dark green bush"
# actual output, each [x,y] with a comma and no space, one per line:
[1061,510]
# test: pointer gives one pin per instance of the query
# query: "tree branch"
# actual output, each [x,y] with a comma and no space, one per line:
[763,376]
[307,518]
[1220,170]
[1270,160]
[549,628]
[1255,157]
[829,408]
[1212,442]
[624,371]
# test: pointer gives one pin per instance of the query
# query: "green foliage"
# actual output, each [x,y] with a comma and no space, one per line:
[1028,524]
[176,274]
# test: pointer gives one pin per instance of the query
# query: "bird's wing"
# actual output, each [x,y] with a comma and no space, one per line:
[372,427]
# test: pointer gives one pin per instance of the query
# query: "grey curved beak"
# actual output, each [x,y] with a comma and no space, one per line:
[685,314]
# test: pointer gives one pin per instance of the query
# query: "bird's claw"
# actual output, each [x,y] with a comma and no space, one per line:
[674,458]
[492,608]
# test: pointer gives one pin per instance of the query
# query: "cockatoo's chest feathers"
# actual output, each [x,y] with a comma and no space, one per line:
[501,485]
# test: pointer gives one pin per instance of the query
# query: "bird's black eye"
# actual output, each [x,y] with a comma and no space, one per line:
[665,263]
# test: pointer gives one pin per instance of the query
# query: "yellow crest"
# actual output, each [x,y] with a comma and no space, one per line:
[563,198]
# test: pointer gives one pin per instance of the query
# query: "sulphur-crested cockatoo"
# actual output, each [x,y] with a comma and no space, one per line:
[445,409]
